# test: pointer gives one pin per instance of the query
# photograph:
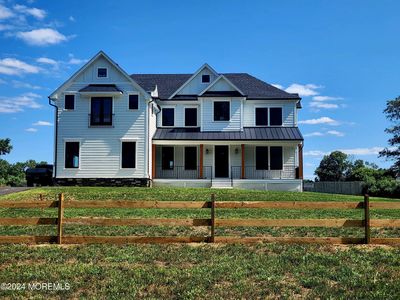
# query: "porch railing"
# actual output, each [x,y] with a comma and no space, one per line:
[251,172]
[179,172]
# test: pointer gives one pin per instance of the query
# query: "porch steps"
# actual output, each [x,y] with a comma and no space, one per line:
[221,184]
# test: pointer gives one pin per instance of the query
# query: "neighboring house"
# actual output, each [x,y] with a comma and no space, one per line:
[202,129]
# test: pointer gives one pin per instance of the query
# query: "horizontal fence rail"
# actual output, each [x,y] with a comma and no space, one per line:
[212,222]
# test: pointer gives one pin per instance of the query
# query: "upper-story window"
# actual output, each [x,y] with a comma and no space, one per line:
[101,111]
[191,116]
[133,101]
[168,115]
[102,72]
[268,116]
[275,116]
[69,102]
[221,110]
[205,78]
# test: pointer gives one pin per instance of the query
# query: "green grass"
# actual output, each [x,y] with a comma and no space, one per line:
[200,270]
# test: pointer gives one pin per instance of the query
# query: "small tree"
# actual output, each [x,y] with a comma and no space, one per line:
[392,112]
[333,167]
[5,146]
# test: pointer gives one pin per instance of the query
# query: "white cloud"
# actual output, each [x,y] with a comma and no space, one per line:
[42,123]
[32,11]
[71,18]
[42,37]
[326,98]
[303,90]
[46,60]
[316,133]
[19,84]
[335,132]
[322,120]
[19,103]
[5,12]
[278,86]
[4,27]
[12,66]
[318,104]
[315,153]
[76,61]
[31,130]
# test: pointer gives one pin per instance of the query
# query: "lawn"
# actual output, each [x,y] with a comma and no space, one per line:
[200,270]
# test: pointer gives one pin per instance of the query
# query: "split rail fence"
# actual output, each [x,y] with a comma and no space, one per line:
[211,222]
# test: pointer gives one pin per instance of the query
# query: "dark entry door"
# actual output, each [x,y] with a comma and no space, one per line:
[221,161]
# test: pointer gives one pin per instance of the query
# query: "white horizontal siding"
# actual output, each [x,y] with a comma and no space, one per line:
[288,111]
[100,148]
[208,123]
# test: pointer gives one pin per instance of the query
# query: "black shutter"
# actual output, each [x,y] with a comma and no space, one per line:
[276,158]
[128,155]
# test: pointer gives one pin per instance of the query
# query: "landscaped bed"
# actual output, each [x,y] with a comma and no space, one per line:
[200,270]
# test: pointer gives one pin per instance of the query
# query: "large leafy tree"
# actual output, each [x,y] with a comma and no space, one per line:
[5,146]
[392,112]
[333,167]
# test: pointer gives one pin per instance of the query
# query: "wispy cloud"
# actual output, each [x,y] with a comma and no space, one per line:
[315,133]
[315,153]
[5,12]
[31,130]
[32,11]
[326,98]
[46,60]
[19,103]
[318,104]
[25,85]
[42,123]
[329,132]
[71,18]
[42,37]
[13,66]
[351,151]
[304,90]
[335,132]
[322,120]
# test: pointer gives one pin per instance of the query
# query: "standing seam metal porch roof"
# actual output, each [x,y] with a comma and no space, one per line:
[248,134]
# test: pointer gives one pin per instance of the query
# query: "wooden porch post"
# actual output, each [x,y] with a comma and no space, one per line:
[300,161]
[243,164]
[201,161]
[153,165]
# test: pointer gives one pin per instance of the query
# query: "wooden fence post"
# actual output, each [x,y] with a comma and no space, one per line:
[212,218]
[60,217]
[367,220]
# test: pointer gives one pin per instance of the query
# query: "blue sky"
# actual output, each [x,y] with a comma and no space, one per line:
[341,56]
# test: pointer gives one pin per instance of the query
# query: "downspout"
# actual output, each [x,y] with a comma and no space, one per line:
[150,141]
[55,138]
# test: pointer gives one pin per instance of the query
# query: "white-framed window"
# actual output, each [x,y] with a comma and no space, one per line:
[268,116]
[102,72]
[222,110]
[190,116]
[69,102]
[205,78]
[71,154]
[128,154]
[133,101]
[269,157]
[168,116]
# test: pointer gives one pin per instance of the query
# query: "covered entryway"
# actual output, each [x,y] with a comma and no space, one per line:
[221,161]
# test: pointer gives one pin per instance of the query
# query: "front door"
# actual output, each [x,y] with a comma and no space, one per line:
[221,161]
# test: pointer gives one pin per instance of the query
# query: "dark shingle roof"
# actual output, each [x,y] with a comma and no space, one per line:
[100,88]
[248,134]
[252,87]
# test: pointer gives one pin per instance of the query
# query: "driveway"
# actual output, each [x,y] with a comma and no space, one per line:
[9,190]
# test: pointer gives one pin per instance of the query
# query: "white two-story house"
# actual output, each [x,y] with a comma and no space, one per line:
[205,129]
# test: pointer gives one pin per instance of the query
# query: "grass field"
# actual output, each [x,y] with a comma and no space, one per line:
[200,270]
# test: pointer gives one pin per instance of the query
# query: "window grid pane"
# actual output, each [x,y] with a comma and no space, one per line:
[261,116]
[133,101]
[191,117]
[167,117]
[72,155]
[221,111]
[261,158]
[276,158]
[275,116]
[167,158]
[128,155]
[190,158]
[69,102]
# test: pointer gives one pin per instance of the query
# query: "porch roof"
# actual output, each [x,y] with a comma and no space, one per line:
[248,134]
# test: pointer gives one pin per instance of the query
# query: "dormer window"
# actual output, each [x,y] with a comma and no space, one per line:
[102,72]
[205,78]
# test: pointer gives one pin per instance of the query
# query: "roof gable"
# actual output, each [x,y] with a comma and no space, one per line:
[193,85]
[100,60]
[221,84]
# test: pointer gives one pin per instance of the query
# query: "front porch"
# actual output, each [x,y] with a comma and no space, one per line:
[262,165]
